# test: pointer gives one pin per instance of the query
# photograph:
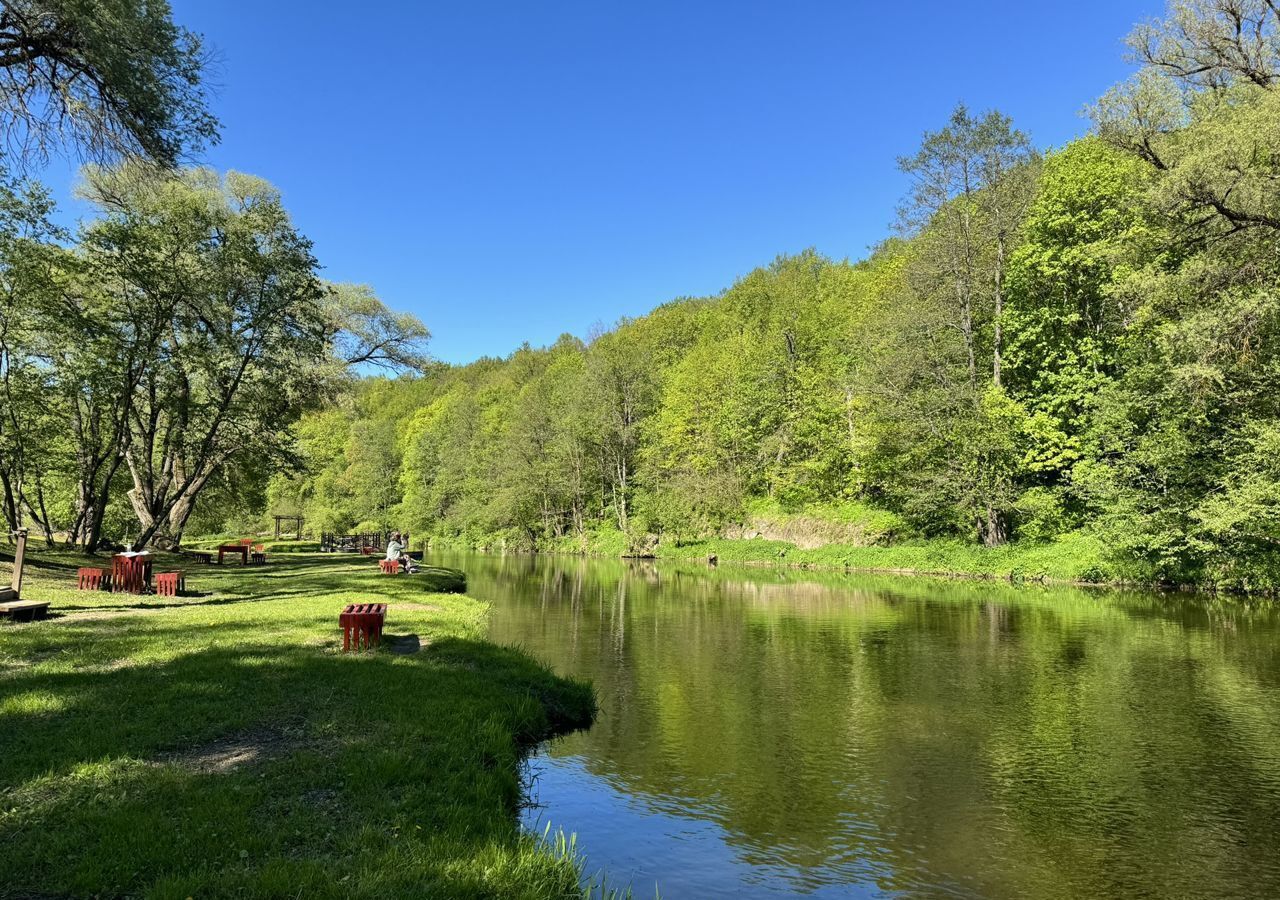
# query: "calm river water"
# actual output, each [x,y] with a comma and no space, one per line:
[771,733]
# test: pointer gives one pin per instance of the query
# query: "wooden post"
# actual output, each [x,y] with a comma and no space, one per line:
[20,550]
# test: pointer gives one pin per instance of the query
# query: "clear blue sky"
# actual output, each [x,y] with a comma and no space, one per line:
[511,171]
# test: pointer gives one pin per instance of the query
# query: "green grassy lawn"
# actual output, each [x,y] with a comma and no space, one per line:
[219,744]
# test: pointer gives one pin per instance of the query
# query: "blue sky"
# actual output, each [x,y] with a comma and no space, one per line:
[512,171]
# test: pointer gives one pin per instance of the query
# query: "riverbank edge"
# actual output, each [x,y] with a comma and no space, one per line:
[1075,561]
[564,704]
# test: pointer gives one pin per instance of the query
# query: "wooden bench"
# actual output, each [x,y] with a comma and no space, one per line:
[389,566]
[11,602]
[24,610]
[90,579]
[258,555]
[170,584]
[362,624]
[204,557]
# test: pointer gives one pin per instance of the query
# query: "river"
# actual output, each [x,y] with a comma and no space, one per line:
[767,733]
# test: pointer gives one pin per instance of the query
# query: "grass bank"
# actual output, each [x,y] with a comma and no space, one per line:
[1075,558]
[219,744]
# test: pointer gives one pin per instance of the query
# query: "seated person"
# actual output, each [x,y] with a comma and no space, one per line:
[396,551]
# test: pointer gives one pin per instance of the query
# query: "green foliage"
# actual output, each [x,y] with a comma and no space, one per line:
[1078,343]
[161,363]
[110,77]
[1077,352]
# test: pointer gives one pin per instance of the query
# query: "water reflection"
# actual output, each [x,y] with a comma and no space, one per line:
[767,733]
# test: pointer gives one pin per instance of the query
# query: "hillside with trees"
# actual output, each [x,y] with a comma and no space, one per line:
[1080,341]
[1050,346]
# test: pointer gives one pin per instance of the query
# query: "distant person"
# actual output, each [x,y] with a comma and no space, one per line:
[396,551]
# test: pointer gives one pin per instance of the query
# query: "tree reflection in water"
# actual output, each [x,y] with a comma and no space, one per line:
[766,732]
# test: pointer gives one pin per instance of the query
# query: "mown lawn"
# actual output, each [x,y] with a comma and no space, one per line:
[219,744]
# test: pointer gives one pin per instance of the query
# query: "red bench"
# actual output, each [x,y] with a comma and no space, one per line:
[389,566]
[170,584]
[362,624]
[93,579]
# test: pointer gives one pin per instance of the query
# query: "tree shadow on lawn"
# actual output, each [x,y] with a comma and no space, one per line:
[334,775]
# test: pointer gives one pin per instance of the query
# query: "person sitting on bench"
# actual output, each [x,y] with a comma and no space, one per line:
[396,551]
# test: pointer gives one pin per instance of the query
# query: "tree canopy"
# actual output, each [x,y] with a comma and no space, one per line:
[109,78]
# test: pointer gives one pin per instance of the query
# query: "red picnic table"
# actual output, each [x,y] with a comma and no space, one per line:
[241,548]
[131,572]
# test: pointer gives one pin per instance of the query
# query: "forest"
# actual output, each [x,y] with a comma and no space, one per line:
[1079,341]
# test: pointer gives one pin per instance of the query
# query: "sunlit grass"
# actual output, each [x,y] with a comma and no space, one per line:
[219,743]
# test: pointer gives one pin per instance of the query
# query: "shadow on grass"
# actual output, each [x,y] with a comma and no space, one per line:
[382,774]
[51,576]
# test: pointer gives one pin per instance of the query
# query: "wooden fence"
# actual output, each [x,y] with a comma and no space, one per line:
[355,543]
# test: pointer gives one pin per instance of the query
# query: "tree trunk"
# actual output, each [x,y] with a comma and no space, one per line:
[993,529]
[40,513]
[11,511]
[997,342]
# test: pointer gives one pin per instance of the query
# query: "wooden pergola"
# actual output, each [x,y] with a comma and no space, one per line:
[285,524]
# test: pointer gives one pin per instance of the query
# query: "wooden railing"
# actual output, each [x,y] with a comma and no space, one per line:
[354,543]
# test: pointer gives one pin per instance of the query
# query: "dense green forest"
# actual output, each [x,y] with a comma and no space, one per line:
[1080,340]
[1076,342]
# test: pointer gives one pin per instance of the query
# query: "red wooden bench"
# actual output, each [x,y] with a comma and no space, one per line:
[367,551]
[201,556]
[90,579]
[389,566]
[170,584]
[362,623]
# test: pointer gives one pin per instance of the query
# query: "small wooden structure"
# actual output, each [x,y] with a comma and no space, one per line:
[286,524]
[92,579]
[362,624]
[11,602]
[170,584]
[389,566]
[238,549]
